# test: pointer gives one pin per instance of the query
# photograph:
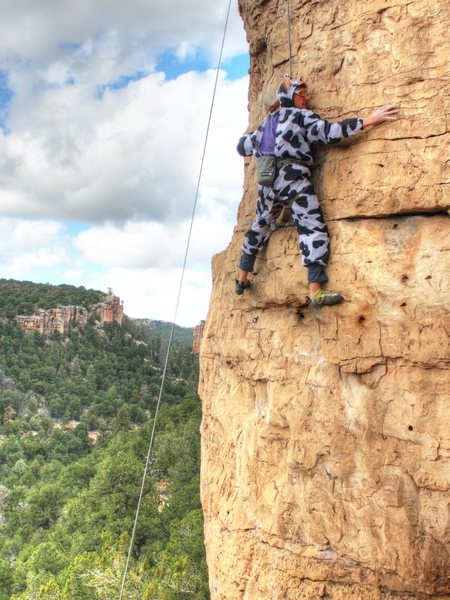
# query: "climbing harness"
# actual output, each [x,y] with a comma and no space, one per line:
[281,162]
[149,459]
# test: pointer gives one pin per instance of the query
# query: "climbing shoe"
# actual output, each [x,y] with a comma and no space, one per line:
[323,298]
[241,286]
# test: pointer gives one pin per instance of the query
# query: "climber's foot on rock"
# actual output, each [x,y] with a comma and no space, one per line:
[241,286]
[323,298]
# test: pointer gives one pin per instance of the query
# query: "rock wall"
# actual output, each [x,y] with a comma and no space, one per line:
[325,437]
[62,318]
[109,311]
[198,335]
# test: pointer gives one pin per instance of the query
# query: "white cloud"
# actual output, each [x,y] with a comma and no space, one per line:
[133,154]
[102,39]
[29,245]
[147,244]
[155,292]
[42,251]
[123,162]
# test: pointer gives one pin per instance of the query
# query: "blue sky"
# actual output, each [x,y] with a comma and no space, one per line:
[103,112]
[168,62]
[6,95]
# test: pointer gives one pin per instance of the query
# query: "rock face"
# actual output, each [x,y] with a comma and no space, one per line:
[325,438]
[109,311]
[62,318]
[198,335]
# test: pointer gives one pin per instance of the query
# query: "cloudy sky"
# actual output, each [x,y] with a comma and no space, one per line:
[103,112]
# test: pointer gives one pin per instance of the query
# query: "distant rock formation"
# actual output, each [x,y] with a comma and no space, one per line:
[63,318]
[198,335]
[110,310]
[60,319]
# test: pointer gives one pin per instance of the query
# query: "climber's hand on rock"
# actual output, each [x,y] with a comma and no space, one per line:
[381,115]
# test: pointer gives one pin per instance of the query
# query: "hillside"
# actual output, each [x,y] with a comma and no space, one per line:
[75,420]
[25,297]
[181,335]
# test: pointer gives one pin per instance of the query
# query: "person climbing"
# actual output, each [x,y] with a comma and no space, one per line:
[288,133]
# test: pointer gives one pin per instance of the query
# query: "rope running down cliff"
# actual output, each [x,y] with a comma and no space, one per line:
[289,37]
[149,460]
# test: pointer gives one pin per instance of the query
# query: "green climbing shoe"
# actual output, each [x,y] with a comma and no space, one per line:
[323,298]
[241,286]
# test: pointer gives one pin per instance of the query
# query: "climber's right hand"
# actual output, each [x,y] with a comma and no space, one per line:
[381,115]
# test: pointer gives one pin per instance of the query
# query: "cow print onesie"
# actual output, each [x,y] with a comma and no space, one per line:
[295,131]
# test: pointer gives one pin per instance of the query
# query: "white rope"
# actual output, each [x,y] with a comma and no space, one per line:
[150,447]
[289,37]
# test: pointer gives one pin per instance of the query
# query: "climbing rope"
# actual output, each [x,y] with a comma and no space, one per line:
[149,461]
[289,37]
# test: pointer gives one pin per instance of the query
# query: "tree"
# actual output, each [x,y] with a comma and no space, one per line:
[44,505]
[70,503]
[181,570]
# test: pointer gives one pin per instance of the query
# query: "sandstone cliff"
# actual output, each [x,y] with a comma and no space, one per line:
[325,438]
[59,319]
[198,336]
[109,311]
[62,318]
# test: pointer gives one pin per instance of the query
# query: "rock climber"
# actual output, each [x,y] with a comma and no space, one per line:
[288,133]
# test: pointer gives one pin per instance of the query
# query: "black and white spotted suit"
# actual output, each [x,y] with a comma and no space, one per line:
[296,130]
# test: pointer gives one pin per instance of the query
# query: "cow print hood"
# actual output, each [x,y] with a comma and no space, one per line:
[285,94]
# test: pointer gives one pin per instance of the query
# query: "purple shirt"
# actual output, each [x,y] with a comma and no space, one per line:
[268,138]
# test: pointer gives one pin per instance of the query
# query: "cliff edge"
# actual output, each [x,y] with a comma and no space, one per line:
[325,436]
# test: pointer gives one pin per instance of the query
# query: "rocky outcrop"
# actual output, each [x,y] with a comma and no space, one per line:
[109,311]
[63,318]
[325,437]
[59,319]
[198,336]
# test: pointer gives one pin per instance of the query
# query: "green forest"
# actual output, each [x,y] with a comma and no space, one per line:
[24,297]
[76,414]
